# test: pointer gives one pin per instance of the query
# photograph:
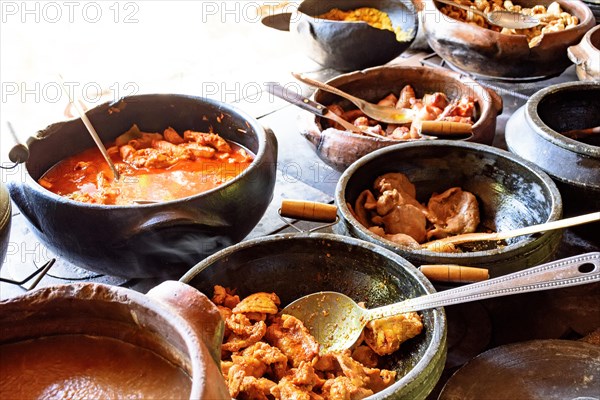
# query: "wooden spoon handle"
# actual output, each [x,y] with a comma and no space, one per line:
[308,210]
[328,88]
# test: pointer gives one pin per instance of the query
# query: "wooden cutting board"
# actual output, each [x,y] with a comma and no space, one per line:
[537,369]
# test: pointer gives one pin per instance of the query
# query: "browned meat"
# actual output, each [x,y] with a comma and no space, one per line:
[286,390]
[453,212]
[406,219]
[291,337]
[199,151]
[241,368]
[391,198]
[389,101]
[208,139]
[343,388]
[172,136]
[366,356]
[225,297]
[256,388]
[270,356]
[365,202]
[372,379]
[244,333]
[258,303]
[407,97]
[385,335]
[395,180]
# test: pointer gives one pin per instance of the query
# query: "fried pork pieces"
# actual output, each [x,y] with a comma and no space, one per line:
[392,211]
[271,356]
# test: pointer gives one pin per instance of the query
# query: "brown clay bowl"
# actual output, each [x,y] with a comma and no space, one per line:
[173,321]
[339,148]
[5,221]
[484,52]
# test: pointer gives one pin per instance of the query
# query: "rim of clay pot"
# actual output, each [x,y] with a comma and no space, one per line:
[518,40]
[539,126]
[485,109]
[554,214]
[257,127]
[438,314]
[89,291]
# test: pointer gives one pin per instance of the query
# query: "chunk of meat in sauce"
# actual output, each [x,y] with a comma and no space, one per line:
[453,212]
[208,139]
[291,336]
[384,336]
[244,333]
[261,302]
[395,180]
[225,297]
[270,356]
[406,219]
[343,388]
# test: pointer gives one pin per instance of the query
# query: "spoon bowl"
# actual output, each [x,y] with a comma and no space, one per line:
[336,321]
[503,18]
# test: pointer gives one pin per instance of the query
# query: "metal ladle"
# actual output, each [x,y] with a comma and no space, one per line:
[90,128]
[336,321]
[504,18]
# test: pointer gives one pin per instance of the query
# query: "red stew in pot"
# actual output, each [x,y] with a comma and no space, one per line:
[154,167]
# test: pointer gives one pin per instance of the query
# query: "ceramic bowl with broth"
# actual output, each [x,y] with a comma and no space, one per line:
[511,193]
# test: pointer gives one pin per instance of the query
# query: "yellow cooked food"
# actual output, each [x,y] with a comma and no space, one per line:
[553,18]
[372,16]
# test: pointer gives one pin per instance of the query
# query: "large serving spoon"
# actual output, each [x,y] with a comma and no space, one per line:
[390,115]
[336,321]
[440,244]
[503,18]
[90,128]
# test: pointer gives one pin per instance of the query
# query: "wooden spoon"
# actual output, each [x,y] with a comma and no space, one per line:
[437,245]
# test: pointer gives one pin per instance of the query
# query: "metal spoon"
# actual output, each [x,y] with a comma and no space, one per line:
[390,115]
[90,128]
[504,18]
[336,321]
[528,230]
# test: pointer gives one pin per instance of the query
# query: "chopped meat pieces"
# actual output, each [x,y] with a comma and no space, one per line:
[385,335]
[293,339]
[258,303]
[453,212]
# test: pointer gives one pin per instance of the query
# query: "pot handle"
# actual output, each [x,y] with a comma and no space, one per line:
[577,54]
[278,21]
[497,102]
[167,219]
[201,313]
[20,152]
[308,211]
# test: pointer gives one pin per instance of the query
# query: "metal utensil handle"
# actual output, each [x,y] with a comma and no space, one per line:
[297,99]
[566,272]
[328,88]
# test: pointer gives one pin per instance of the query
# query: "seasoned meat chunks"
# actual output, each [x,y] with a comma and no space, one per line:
[291,336]
[453,212]
[385,335]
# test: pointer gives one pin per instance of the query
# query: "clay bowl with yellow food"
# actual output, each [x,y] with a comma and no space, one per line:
[470,44]
[407,196]
[190,168]
[350,34]
[432,95]
[253,280]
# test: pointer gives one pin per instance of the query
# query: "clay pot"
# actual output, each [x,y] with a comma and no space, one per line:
[5,221]
[586,56]
[339,148]
[146,240]
[343,45]
[534,132]
[293,265]
[512,193]
[487,53]
[174,320]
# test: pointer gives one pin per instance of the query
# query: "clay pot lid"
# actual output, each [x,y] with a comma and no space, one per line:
[538,369]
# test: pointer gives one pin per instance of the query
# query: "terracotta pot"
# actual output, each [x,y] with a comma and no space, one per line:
[339,148]
[347,46]
[152,240]
[293,265]
[586,56]
[512,193]
[487,53]
[5,222]
[534,132]
[174,320]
